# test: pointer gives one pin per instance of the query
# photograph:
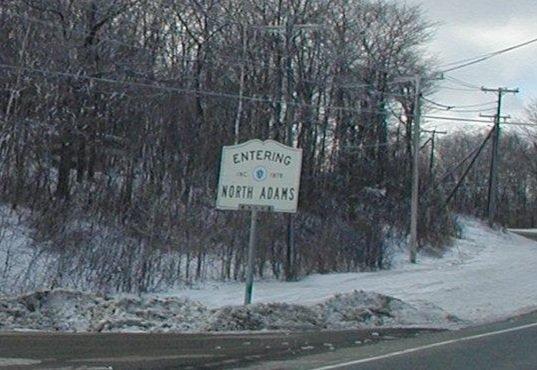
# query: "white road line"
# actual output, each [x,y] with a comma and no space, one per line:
[10,361]
[421,348]
[135,358]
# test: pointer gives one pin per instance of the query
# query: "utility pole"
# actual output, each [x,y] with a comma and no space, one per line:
[493,177]
[289,117]
[433,133]
[415,171]
[414,202]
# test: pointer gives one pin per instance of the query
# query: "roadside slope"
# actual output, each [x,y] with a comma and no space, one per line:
[486,275]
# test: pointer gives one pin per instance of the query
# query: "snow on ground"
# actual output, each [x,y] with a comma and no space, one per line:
[20,262]
[486,275]
[73,311]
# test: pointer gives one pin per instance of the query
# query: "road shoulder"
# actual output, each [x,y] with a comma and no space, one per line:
[381,349]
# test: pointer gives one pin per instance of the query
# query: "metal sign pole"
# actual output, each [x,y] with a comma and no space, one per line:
[251,258]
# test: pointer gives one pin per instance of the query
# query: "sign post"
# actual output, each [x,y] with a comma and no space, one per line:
[251,258]
[258,176]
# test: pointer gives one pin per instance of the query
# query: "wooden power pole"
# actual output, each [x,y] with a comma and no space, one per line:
[493,177]
[415,171]
[433,133]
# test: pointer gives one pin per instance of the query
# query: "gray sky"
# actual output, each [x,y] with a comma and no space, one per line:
[467,28]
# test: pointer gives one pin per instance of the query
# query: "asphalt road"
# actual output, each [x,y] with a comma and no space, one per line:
[510,345]
[526,233]
[173,351]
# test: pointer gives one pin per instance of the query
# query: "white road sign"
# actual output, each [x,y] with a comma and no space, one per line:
[259,173]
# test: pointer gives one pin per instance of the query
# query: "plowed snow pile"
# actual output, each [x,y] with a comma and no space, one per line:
[63,310]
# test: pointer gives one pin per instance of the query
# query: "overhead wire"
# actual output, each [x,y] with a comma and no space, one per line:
[451,168]
[458,89]
[478,59]
[454,191]
[462,82]
[472,120]
[187,90]
[236,96]
[454,107]
[212,93]
[469,110]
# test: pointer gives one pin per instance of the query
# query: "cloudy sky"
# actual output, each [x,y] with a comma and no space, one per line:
[468,28]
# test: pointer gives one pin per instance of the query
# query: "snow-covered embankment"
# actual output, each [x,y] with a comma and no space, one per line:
[486,275]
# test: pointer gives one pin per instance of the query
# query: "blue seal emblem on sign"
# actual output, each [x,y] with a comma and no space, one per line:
[260,173]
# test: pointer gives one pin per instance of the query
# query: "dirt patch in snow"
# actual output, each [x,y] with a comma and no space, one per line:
[265,316]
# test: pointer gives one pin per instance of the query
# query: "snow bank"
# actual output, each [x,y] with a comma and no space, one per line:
[359,309]
[485,276]
[72,311]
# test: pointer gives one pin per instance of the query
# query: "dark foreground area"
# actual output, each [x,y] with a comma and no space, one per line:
[530,234]
[506,345]
[172,351]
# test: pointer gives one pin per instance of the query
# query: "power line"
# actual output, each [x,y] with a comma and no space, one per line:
[235,96]
[462,119]
[468,168]
[452,167]
[479,59]
[462,82]
[458,89]
[186,90]
[455,110]
[455,107]
[469,110]
[474,105]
